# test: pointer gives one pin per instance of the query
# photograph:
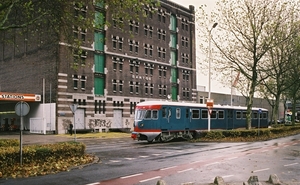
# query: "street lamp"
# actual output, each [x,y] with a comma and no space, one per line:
[209,69]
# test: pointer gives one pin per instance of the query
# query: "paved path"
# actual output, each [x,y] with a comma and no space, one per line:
[36,138]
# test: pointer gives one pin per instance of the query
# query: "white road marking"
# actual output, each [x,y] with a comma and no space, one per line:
[129,176]
[96,183]
[157,177]
[129,159]
[265,169]
[212,163]
[227,176]
[232,158]
[114,161]
[290,164]
[143,156]
[156,154]
[168,168]
[195,162]
[185,170]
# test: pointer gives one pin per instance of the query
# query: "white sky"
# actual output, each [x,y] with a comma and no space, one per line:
[202,80]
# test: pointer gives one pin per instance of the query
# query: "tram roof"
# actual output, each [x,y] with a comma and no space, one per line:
[187,104]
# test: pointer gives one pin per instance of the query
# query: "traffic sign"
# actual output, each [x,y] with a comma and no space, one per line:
[73,108]
[22,108]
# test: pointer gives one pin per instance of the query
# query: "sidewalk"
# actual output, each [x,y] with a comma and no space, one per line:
[29,138]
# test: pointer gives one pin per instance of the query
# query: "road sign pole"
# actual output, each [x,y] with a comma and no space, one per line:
[22,109]
[73,108]
[21,134]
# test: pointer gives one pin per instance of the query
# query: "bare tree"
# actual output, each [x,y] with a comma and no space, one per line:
[247,30]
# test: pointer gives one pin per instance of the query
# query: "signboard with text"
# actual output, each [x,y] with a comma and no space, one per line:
[7,96]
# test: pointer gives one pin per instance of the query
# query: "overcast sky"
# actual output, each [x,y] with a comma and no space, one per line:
[202,79]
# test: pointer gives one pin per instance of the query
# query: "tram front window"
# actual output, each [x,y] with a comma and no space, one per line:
[140,114]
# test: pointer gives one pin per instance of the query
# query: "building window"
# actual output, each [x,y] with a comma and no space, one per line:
[151,89]
[83,82]
[131,86]
[75,81]
[162,71]
[136,47]
[185,75]
[146,88]
[148,50]
[185,25]
[184,41]
[117,42]
[161,16]
[134,26]
[130,45]
[117,62]
[114,42]
[161,52]
[121,86]
[162,90]
[186,93]
[114,82]
[136,87]
[79,57]
[184,58]
[161,34]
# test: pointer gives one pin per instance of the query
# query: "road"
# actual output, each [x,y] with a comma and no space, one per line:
[124,161]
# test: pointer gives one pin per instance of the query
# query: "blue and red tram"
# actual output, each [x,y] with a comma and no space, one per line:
[164,121]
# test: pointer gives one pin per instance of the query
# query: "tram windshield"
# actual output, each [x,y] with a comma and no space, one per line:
[145,114]
[140,114]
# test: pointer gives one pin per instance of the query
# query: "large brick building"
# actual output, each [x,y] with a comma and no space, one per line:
[153,59]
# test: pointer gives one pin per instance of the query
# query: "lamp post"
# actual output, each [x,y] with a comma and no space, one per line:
[209,69]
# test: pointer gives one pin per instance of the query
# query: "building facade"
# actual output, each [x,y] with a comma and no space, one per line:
[115,69]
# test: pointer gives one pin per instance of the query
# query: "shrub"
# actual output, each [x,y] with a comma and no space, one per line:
[9,142]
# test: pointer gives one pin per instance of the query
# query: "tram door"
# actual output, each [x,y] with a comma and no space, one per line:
[230,120]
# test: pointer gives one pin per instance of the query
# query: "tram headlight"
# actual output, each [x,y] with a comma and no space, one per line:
[141,125]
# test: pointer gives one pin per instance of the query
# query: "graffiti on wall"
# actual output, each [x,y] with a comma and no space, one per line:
[99,123]
[66,123]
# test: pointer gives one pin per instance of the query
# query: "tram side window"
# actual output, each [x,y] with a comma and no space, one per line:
[195,114]
[154,114]
[255,115]
[264,115]
[164,112]
[204,114]
[213,114]
[178,113]
[187,113]
[244,114]
[148,114]
[238,115]
[221,114]
[230,114]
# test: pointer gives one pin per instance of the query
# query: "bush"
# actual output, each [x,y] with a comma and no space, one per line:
[9,142]
[40,153]
[249,135]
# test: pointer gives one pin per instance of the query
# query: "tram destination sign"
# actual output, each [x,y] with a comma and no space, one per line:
[6,96]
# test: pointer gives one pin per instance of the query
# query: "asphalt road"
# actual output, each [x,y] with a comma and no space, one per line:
[124,161]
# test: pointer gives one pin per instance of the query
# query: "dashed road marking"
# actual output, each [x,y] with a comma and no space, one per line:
[143,156]
[114,161]
[290,164]
[129,176]
[185,170]
[157,177]
[265,169]
[168,168]
[156,154]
